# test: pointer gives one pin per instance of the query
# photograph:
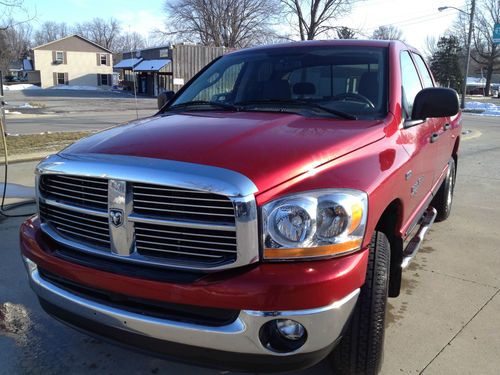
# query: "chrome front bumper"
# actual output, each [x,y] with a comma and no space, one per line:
[324,325]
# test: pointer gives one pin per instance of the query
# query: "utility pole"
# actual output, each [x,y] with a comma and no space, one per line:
[469,39]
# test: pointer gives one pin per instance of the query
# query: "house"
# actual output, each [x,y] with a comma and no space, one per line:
[72,60]
[153,70]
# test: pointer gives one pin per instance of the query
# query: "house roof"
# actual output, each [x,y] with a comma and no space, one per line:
[127,64]
[27,65]
[151,65]
[72,36]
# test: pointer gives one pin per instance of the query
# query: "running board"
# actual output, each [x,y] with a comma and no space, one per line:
[414,245]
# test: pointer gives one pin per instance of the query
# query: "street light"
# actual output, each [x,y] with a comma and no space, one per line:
[469,39]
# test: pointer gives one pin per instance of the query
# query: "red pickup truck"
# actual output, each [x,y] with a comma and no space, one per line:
[261,218]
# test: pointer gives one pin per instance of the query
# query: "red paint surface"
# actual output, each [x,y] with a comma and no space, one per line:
[265,287]
[281,154]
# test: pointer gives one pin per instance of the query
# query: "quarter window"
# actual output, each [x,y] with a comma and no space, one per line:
[410,81]
[424,72]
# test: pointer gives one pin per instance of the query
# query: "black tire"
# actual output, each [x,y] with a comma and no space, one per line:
[444,197]
[360,350]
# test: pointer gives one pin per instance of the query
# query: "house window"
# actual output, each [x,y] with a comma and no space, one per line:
[104,59]
[104,79]
[59,56]
[60,79]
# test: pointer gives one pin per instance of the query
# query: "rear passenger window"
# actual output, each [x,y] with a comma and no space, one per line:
[424,72]
[411,83]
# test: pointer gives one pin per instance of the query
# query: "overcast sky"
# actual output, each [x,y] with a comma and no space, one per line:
[416,18]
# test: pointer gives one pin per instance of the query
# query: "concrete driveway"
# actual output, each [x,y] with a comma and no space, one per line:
[446,320]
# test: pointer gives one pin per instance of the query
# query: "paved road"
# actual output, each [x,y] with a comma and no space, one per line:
[72,110]
[446,320]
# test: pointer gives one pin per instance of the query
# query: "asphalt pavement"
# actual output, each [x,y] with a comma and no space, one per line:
[72,110]
[446,320]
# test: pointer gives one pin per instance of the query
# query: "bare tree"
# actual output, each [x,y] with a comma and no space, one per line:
[485,52]
[221,23]
[49,31]
[312,18]
[8,8]
[18,39]
[387,32]
[344,32]
[100,31]
[130,41]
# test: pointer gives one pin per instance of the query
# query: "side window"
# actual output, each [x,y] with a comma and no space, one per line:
[410,81]
[220,85]
[424,72]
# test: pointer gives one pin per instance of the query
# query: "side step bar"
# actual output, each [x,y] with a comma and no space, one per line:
[414,245]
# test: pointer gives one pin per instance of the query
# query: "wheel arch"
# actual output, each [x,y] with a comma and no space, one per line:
[389,223]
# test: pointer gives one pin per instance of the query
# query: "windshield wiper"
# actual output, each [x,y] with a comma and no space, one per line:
[196,103]
[305,103]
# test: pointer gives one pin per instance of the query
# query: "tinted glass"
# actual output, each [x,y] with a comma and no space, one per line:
[348,79]
[411,83]
[424,72]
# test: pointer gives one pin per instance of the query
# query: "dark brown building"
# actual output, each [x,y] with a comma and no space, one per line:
[154,70]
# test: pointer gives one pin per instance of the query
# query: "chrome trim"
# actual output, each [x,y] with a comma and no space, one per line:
[414,245]
[126,170]
[324,325]
[181,224]
[70,207]
[153,171]
[120,199]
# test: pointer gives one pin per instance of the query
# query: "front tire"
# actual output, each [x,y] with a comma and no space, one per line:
[444,197]
[360,350]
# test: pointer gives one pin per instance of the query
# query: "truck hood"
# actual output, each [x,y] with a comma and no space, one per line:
[269,148]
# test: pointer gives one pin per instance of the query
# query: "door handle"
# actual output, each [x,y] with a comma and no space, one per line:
[447,126]
[434,137]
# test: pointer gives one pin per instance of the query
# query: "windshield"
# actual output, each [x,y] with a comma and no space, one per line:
[348,82]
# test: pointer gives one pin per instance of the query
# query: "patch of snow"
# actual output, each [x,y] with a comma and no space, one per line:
[21,86]
[26,105]
[68,87]
[487,109]
[12,112]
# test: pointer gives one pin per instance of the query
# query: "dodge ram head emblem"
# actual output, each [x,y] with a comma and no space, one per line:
[116,217]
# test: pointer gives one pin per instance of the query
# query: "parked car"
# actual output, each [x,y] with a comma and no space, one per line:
[261,219]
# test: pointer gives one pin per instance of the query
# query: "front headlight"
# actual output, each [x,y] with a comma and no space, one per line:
[322,223]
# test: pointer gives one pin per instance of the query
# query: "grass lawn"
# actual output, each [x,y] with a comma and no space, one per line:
[47,142]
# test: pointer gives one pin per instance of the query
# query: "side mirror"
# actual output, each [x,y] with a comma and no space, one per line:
[435,102]
[164,97]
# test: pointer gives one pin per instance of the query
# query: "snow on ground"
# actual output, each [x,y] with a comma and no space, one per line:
[7,112]
[26,105]
[68,87]
[487,109]
[21,86]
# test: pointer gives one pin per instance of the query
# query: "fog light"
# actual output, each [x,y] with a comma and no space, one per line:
[290,329]
[283,335]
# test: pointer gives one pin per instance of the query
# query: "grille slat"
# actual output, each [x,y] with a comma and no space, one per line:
[81,192]
[171,224]
[167,202]
[82,235]
[65,221]
[186,244]
[184,253]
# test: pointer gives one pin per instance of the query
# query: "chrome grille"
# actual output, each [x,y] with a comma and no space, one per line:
[81,191]
[185,244]
[82,227]
[184,204]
